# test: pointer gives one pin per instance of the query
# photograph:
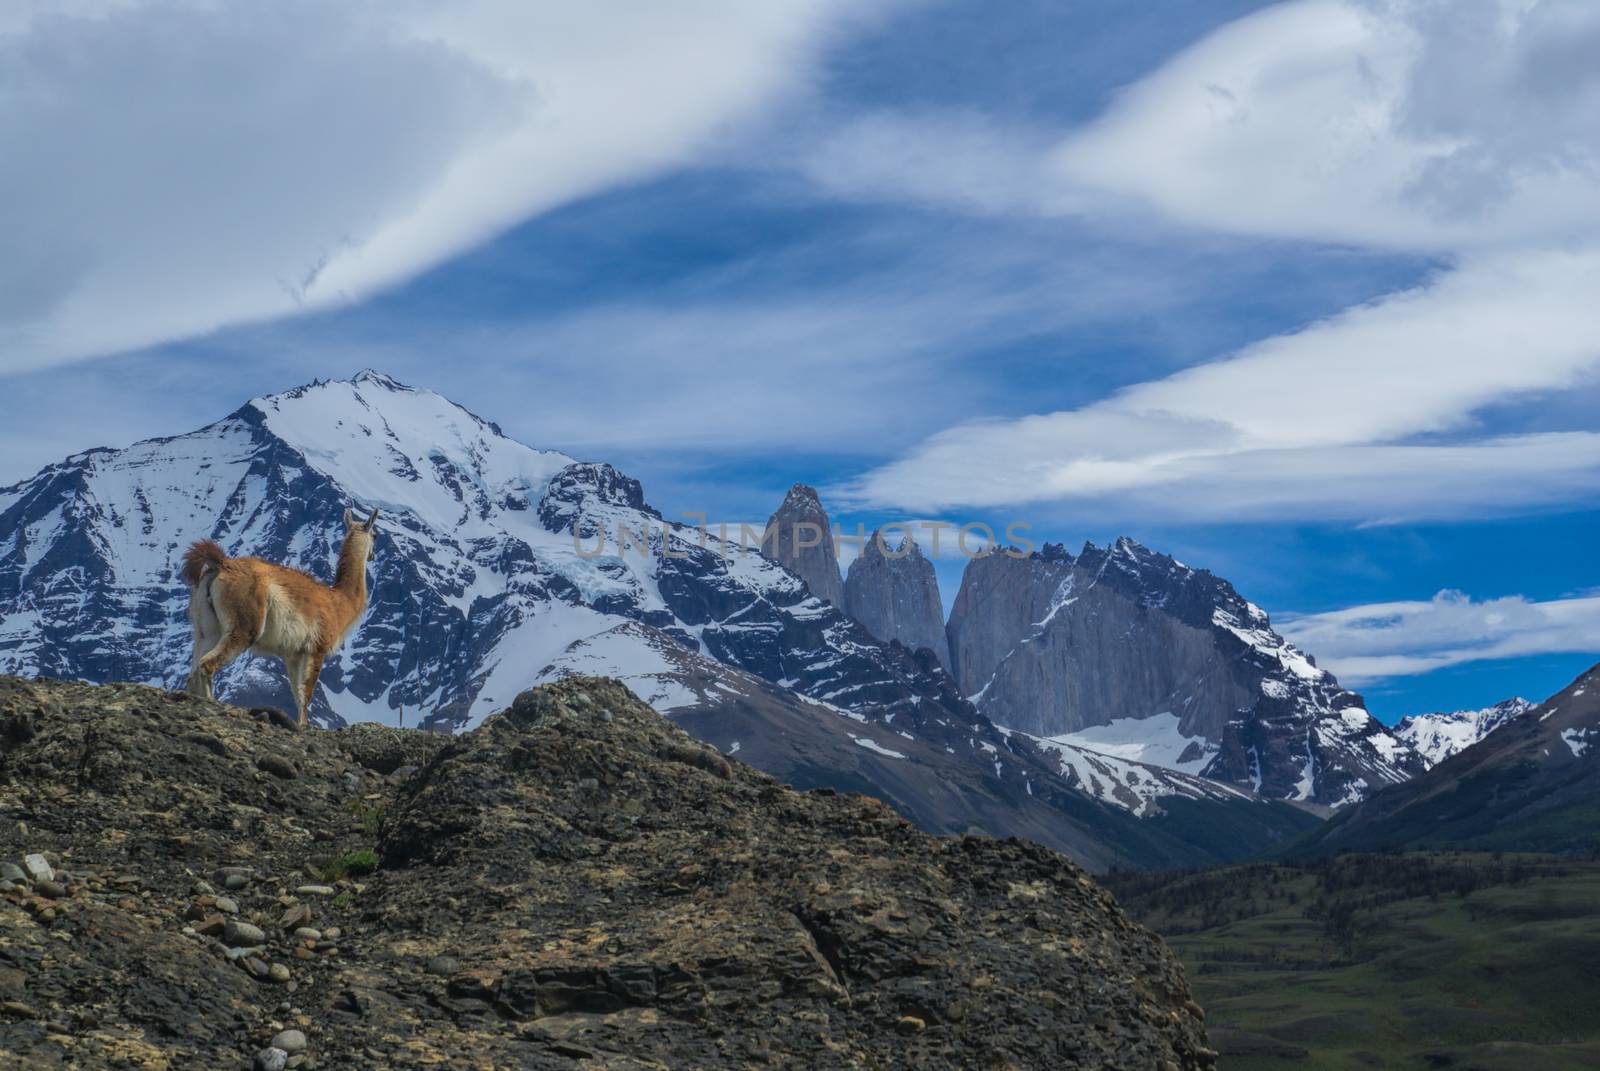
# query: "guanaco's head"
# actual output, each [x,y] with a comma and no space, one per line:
[358,533]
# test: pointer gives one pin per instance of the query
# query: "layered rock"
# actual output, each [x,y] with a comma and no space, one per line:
[575,882]
[1189,673]
[894,592]
[800,538]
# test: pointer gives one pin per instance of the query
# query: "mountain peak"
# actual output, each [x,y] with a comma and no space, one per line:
[802,495]
[379,379]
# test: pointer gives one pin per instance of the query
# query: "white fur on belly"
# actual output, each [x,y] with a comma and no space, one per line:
[285,631]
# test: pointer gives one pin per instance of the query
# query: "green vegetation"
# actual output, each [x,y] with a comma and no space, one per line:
[369,813]
[1388,960]
[351,864]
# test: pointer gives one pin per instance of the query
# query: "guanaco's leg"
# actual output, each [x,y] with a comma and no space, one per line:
[295,665]
[313,670]
[233,644]
[207,634]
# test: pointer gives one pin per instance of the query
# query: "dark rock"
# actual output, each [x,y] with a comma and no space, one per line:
[277,766]
[687,914]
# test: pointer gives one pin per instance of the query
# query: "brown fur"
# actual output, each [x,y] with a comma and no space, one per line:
[236,604]
[203,555]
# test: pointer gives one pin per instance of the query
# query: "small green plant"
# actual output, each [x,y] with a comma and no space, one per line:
[344,899]
[368,812]
[351,864]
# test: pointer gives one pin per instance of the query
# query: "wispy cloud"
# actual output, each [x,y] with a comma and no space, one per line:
[1363,644]
[190,166]
[1318,120]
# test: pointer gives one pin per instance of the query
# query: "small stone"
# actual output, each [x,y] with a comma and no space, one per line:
[443,966]
[210,926]
[201,888]
[314,890]
[235,881]
[241,934]
[301,953]
[306,933]
[297,916]
[278,973]
[8,886]
[332,933]
[38,867]
[271,1060]
[290,1041]
[910,1024]
[236,954]
[12,872]
[297,1061]
[227,905]
[18,1010]
[257,967]
[46,887]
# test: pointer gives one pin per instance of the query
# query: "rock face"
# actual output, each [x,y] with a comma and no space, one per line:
[802,542]
[1435,737]
[893,591]
[1184,671]
[576,882]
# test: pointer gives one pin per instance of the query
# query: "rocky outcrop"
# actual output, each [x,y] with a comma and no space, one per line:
[575,883]
[1190,672]
[800,538]
[893,591]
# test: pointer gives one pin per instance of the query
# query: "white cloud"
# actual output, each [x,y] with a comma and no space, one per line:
[1390,123]
[1396,639]
[175,167]
[1325,120]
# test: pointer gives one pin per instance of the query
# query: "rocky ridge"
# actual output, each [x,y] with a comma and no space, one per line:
[575,883]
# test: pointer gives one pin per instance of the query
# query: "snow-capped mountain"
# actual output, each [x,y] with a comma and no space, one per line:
[1435,737]
[1135,764]
[1529,785]
[1136,646]
[498,566]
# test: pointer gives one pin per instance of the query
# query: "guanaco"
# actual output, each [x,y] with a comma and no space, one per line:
[240,604]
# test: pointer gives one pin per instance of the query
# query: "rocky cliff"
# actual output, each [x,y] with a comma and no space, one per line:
[802,542]
[893,591]
[574,883]
[1159,662]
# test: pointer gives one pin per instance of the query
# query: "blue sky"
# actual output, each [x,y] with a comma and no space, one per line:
[1300,293]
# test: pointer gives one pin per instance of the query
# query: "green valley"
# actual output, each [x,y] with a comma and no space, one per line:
[1388,960]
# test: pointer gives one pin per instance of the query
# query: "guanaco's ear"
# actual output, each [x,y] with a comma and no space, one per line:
[349,518]
[373,519]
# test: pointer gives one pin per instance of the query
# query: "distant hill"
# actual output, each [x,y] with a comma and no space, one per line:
[1533,784]
[1387,961]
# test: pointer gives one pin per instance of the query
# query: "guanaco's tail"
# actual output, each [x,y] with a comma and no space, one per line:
[203,557]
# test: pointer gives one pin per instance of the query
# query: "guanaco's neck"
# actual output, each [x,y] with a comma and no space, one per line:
[350,578]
